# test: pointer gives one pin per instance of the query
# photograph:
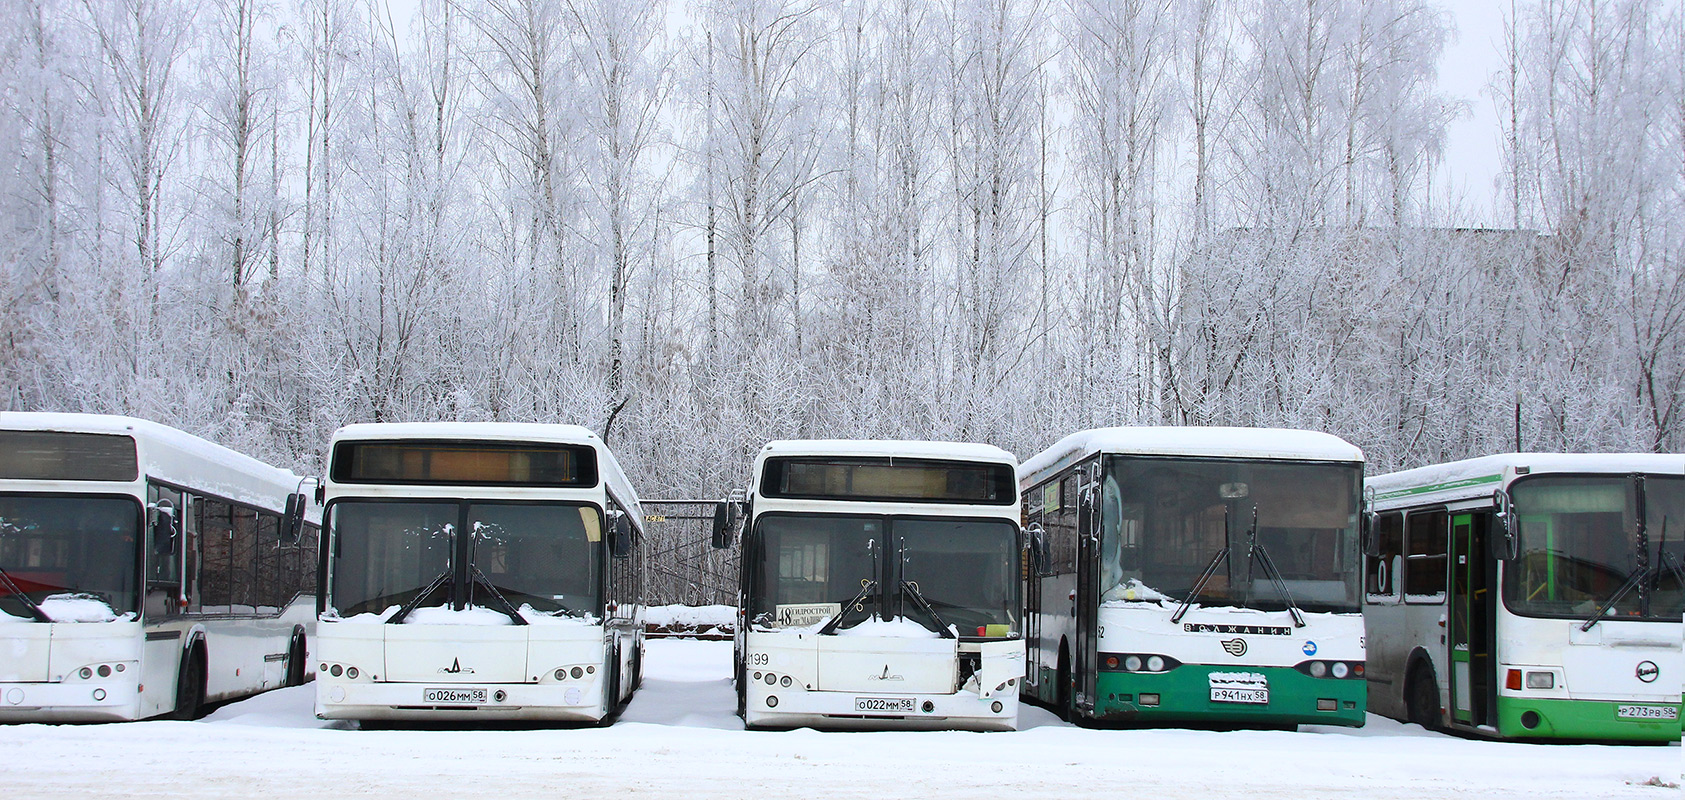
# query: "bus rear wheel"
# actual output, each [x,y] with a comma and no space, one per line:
[1421,697]
[1062,690]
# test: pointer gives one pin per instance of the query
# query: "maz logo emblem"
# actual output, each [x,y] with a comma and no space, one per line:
[456,668]
[1647,671]
[885,676]
[1235,647]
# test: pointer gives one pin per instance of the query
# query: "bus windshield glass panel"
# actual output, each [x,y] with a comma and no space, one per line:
[809,567]
[890,479]
[1164,520]
[1581,545]
[58,456]
[73,554]
[968,570]
[542,555]
[465,463]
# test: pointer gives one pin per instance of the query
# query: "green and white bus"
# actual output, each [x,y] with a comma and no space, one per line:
[1205,576]
[1530,596]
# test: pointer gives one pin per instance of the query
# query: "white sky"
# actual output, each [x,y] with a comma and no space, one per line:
[1467,178]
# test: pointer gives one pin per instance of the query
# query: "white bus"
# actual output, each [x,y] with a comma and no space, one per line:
[879,587]
[1530,596]
[144,571]
[1196,576]
[484,571]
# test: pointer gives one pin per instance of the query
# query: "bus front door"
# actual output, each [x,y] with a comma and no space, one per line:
[1087,605]
[1470,649]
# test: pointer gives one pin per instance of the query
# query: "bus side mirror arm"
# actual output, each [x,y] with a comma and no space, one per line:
[1506,539]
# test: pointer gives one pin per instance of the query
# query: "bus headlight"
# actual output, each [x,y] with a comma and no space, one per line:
[1132,663]
[1541,680]
[1341,670]
[1155,663]
[1318,669]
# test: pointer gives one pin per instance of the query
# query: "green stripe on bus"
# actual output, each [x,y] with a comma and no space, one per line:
[1594,720]
[1440,487]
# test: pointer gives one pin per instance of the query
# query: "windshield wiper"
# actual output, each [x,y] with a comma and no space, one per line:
[1199,585]
[34,608]
[1256,552]
[830,626]
[445,579]
[503,603]
[909,588]
[1632,581]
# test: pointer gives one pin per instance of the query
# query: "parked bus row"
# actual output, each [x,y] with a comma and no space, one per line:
[1204,576]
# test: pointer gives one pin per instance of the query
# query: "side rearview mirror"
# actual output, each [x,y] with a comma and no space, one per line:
[725,523]
[164,528]
[1504,541]
[292,521]
[1371,535]
[620,534]
[1040,559]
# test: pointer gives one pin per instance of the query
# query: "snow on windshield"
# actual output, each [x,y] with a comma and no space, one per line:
[80,608]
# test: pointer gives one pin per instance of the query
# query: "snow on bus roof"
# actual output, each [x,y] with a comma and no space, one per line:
[512,431]
[608,465]
[957,451]
[1482,474]
[1217,442]
[173,455]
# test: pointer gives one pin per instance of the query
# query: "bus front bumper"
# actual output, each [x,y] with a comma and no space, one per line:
[69,701]
[1589,720]
[448,701]
[1184,695]
[798,708]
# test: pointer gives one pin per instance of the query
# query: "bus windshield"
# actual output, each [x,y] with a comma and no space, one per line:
[545,556]
[1581,546]
[74,557]
[809,566]
[1165,520]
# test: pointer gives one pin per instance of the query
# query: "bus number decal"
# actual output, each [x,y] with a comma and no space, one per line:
[759,659]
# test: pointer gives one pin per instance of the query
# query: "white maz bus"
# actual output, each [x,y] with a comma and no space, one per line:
[1530,596]
[1196,575]
[879,587]
[144,571]
[483,571]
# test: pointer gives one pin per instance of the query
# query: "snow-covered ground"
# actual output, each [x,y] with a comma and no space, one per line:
[680,738]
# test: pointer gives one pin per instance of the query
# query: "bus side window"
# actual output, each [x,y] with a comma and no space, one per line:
[1424,556]
[1381,571]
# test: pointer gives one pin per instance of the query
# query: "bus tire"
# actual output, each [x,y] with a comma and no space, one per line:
[190,686]
[1421,697]
[296,656]
[742,691]
[1062,687]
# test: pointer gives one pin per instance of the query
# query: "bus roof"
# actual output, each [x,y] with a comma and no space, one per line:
[1208,442]
[953,451]
[174,456]
[1473,477]
[607,466]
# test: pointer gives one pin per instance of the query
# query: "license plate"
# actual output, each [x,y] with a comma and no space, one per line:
[884,705]
[454,696]
[1646,712]
[1253,696]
